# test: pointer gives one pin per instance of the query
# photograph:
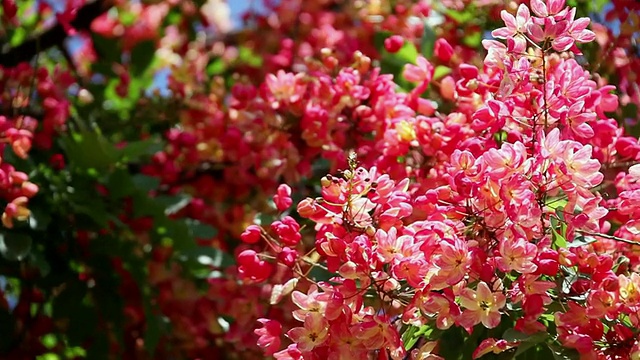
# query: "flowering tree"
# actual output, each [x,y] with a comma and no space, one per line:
[401,179]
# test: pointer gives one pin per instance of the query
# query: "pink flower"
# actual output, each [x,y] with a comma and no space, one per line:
[492,345]
[393,43]
[552,7]
[290,353]
[443,50]
[269,336]
[482,306]
[283,198]
[421,73]
[251,267]
[516,28]
[313,334]
[288,230]
[517,255]
[285,87]
[251,235]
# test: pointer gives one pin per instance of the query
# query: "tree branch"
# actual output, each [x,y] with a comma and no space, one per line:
[54,36]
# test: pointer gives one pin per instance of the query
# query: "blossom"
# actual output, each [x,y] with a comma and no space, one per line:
[393,43]
[314,332]
[288,230]
[517,255]
[251,235]
[421,73]
[481,306]
[285,87]
[283,197]
[515,28]
[495,346]
[269,336]
[551,8]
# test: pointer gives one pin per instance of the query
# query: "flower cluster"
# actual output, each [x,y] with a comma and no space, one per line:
[503,223]
[20,131]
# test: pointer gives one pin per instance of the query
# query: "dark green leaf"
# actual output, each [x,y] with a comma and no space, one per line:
[173,204]
[144,182]
[141,57]
[39,261]
[428,42]
[108,49]
[137,149]
[120,184]
[15,247]
[88,150]
[563,354]
[208,256]
[39,219]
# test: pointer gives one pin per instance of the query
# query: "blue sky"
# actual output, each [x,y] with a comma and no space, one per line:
[238,7]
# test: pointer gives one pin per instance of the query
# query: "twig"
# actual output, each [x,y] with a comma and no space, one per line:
[609,237]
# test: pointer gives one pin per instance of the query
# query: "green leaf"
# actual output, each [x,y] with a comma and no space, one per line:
[513,335]
[153,331]
[38,260]
[15,247]
[120,184]
[248,56]
[558,240]
[563,354]
[108,50]
[141,57]
[394,63]
[407,54]
[460,17]
[145,182]
[441,71]
[127,18]
[428,42]
[208,256]
[88,150]
[320,274]
[18,37]
[473,40]
[216,67]
[526,341]
[581,240]
[177,232]
[378,39]
[39,219]
[134,150]
[200,230]
[557,204]
[173,204]
[7,326]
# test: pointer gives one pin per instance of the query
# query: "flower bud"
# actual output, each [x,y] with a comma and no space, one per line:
[393,43]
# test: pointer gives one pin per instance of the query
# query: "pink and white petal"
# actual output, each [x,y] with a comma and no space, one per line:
[491,320]
[535,32]
[508,19]
[562,43]
[585,36]
[539,8]
[502,33]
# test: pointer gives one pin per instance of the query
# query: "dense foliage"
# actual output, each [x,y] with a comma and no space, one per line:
[334,179]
